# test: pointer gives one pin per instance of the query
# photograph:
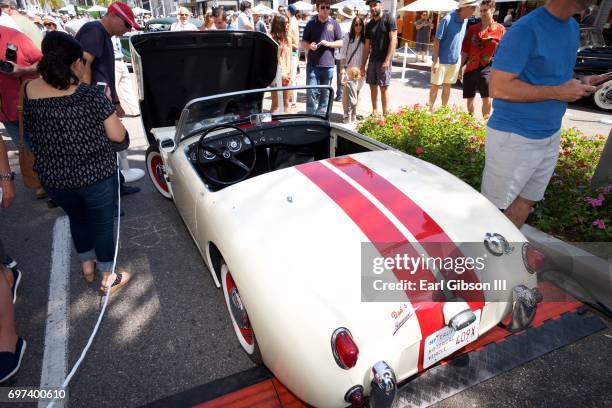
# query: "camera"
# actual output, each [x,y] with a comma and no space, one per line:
[9,55]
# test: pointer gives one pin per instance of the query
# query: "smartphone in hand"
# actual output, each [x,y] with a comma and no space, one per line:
[595,80]
[103,87]
[600,79]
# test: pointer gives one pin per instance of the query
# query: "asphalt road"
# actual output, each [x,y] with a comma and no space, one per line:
[168,331]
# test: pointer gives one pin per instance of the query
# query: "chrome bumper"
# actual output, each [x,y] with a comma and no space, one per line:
[524,305]
[384,386]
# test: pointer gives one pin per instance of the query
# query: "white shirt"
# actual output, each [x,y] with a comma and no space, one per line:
[242,21]
[7,21]
[295,30]
[117,47]
[73,26]
[187,26]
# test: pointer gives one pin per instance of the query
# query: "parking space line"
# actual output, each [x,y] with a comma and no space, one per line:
[56,331]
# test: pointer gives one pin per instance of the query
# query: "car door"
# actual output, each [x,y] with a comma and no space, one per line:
[344,141]
[186,187]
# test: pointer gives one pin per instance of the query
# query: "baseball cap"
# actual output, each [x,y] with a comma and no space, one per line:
[292,9]
[372,1]
[125,12]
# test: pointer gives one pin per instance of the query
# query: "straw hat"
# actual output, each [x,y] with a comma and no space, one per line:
[49,19]
[347,11]
[468,3]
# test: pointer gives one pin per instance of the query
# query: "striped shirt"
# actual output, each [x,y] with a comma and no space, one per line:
[347,50]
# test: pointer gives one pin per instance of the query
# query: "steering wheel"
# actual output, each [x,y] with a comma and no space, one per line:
[224,153]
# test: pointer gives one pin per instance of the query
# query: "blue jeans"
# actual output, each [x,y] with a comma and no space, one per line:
[317,100]
[91,211]
[12,128]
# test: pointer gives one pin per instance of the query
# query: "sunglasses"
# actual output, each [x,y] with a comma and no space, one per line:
[358,25]
[184,15]
[324,7]
[49,24]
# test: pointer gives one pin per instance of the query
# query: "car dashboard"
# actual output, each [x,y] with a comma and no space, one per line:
[277,145]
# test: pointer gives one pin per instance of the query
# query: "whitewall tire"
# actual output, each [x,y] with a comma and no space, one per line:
[155,169]
[239,317]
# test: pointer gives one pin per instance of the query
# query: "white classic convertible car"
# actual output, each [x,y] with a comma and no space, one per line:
[312,231]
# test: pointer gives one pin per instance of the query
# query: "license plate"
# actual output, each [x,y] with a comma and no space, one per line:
[445,342]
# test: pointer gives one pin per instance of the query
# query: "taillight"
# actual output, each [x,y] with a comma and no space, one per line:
[344,348]
[532,258]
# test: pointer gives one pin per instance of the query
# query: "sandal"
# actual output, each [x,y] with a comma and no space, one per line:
[117,284]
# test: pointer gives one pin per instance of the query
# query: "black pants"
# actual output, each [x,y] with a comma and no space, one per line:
[338,79]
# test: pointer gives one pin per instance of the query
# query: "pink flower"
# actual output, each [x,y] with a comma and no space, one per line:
[599,223]
[382,122]
[396,128]
[420,150]
[595,202]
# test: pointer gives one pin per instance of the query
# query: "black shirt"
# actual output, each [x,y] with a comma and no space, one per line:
[68,138]
[95,40]
[378,34]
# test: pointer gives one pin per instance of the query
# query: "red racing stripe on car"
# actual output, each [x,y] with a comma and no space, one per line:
[387,239]
[420,224]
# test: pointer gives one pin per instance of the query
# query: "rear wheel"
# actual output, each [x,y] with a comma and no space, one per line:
[155,168]
[239,317]
[603,97]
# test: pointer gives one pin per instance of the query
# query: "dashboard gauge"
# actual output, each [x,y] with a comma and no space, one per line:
[234,144]
[208,155]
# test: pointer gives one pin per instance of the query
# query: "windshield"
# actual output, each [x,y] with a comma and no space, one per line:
[591,38]
[260,105]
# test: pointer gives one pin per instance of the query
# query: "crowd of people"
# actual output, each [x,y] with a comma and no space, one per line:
[51,108]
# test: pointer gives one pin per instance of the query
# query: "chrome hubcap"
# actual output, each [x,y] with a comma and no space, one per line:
[238,311]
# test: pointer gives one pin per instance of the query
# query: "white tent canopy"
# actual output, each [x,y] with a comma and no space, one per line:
[96,8]
[359,5]
[69,9]
[303,6]
[262,10]
[431,5]
[138,11]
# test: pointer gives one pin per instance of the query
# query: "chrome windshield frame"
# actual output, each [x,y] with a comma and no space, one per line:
[185,112]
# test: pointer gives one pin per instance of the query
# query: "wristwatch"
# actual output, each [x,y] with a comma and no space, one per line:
[7,177]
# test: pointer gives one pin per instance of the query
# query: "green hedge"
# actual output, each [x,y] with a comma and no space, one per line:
[453,140]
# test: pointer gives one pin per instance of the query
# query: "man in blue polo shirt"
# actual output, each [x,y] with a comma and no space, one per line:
[321,36]
[447,51]
[531,83]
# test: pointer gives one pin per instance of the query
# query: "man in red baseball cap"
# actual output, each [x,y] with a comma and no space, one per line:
[99,54]
[125,12]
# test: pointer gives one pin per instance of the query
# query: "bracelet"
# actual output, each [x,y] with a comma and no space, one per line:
[7,177]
